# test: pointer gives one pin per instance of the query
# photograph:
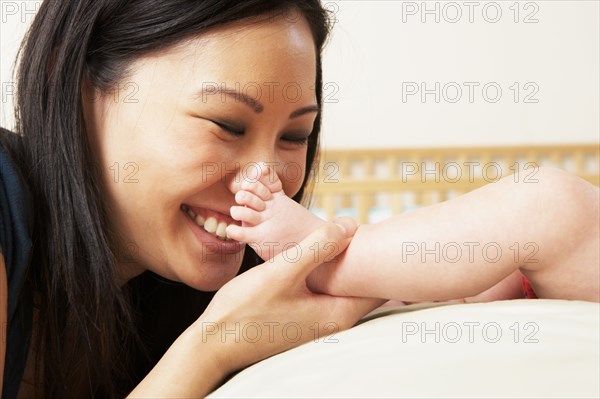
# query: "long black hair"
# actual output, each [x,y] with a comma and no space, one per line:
[90,332]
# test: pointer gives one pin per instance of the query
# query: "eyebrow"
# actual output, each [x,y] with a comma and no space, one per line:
[254,104]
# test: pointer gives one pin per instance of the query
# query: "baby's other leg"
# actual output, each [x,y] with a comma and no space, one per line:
[509,288]
[271,221]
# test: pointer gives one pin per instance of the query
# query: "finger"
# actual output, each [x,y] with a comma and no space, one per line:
[348,223]
[246,215]
[246,198]
[321,245]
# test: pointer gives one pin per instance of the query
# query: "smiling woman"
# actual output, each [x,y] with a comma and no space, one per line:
[135,123]
[172,138]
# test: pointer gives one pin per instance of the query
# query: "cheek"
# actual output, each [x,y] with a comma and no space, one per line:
[291,171]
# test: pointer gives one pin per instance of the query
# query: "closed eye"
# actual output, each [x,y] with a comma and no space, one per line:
[297,137]
[299,140]
[230,129]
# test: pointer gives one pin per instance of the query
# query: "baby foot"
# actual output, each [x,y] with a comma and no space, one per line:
[271,221]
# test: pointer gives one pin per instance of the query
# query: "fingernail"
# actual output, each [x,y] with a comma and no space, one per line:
[344,229]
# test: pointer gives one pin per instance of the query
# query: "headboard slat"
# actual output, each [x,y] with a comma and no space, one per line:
[428,175]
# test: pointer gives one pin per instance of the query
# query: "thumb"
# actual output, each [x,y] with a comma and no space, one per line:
[320,246]
[347,223]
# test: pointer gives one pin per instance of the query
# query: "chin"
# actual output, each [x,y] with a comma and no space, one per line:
[211,275]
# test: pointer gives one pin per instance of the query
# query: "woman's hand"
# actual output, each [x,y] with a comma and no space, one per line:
[260,313]
[269,308]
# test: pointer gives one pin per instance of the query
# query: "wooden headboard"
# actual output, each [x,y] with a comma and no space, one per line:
[372,184]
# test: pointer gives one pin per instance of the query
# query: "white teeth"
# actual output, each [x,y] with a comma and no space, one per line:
[210,225]
[221,230]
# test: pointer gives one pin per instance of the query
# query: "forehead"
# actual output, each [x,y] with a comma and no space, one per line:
[275,51]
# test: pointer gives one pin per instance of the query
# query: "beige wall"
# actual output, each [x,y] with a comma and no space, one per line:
[382,55]
[375,58]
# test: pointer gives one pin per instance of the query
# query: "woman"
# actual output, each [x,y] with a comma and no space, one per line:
[127,113]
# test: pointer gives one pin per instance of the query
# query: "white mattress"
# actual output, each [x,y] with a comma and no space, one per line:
[518,348]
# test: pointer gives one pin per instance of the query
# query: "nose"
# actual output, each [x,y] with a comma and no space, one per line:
[249,166]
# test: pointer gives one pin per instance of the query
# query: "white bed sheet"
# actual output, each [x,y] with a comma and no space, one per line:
[517,348]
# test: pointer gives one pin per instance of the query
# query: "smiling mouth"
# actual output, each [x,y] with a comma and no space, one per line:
[212,222]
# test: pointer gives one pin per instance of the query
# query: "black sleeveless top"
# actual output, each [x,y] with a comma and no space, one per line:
[16,222]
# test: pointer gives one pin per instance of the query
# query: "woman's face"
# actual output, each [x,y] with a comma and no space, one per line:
[163,141]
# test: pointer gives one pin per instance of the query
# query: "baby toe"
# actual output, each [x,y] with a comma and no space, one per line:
[246,215]
[246,198]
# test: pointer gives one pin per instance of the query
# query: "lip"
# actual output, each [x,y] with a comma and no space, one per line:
[209,241]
